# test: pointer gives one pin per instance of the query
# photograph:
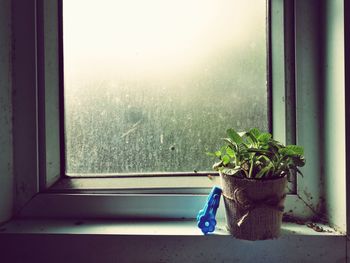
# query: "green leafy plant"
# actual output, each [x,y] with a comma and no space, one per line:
[255,154]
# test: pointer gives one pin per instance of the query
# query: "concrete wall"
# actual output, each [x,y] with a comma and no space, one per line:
[166,248]
[335,192]
[6,167]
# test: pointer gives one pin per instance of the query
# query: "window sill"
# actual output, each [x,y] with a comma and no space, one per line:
[159,241]
[141,227]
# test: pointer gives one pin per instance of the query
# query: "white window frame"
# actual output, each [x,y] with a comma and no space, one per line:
[37,135]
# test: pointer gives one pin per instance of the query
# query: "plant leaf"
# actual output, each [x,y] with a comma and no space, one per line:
[254,150]
[298,171]
[226,159]
[286,152]
[257,155]
[230,171]
[217,165]
[234,136]
[263,171]
[218,153]
[230,142]
[230,152]
[298,160]
[255,132]
[297,150]
[250,141]
[264,137]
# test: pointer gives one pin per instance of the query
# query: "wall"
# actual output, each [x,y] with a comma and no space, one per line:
[6,168]
[335,192]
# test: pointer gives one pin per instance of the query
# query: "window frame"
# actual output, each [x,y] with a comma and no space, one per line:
[38,141]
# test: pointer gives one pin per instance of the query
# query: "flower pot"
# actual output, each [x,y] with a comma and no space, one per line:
[254,207]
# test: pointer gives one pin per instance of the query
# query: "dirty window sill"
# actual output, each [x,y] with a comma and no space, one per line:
[140,227]
[160,241]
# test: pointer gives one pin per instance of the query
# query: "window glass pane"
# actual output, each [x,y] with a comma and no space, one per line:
[150,86]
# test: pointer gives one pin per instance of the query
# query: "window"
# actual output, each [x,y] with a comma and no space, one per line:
[38,121]
[150,86]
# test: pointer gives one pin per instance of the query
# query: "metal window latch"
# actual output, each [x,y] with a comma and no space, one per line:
[206,217]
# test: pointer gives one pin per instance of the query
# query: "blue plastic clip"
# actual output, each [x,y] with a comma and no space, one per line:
[206,217]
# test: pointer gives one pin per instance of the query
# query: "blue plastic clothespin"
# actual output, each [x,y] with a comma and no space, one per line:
[206,217]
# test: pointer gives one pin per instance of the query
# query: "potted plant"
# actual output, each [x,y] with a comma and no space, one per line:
[254,170]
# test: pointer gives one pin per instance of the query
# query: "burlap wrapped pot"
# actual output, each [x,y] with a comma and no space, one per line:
[254,207]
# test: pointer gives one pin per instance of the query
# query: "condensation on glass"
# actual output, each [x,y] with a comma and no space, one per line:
[151,86]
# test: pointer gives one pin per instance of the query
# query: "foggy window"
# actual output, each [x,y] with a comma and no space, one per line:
[150,86]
